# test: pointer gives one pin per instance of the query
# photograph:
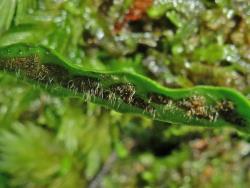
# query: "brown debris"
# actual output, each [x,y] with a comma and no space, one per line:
[195,106]
[124,91]
[227,111]
[159,99]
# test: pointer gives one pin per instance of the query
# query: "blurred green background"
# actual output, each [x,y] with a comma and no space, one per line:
[56,142]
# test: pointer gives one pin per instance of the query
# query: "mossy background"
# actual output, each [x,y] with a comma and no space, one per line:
[47,141]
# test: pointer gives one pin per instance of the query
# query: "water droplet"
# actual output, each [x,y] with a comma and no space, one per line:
[100,34]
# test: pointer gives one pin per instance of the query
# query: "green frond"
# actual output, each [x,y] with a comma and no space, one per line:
[30,154]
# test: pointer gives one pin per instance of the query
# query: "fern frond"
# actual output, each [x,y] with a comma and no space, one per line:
[33,149]
[128,92]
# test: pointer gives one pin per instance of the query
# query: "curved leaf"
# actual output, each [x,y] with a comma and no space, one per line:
[128,92]
[7,8]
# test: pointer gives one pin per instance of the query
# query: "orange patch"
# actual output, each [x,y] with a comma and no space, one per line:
[135,13]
